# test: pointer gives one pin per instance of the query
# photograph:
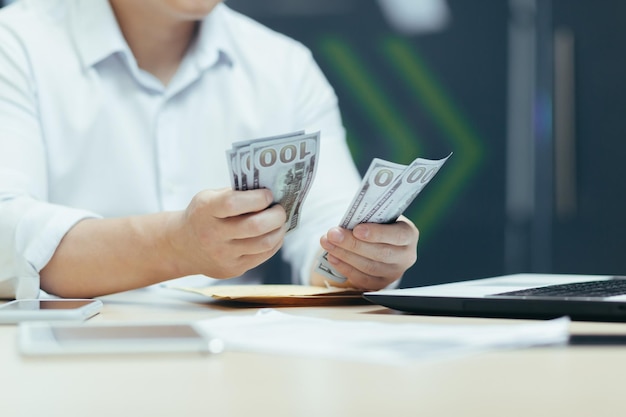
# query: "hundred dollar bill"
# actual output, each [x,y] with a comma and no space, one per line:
[286,166]
[401,193]
[238,158]
[376,180]
[231,158]
[395,187]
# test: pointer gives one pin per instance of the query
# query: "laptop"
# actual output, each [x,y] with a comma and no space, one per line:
[532,296]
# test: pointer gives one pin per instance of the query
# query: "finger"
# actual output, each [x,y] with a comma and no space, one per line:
[260,244]
[239,264]
[257,224]
[359,279]
[400,233]
[342,243]
[260,251]
[228,203]
[382,261]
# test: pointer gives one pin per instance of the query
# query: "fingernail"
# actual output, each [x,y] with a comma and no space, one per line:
[361,231]
[335,235]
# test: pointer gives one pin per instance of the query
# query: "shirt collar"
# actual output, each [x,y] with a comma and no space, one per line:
[96,32]
[212,46]
[97,35]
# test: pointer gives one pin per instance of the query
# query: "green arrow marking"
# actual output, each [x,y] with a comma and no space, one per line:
[465,143]
[379,108]
[372,98]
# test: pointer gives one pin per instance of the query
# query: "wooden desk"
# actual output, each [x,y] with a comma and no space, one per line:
[556,381]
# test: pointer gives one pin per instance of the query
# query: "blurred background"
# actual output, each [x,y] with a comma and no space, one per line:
[529,95]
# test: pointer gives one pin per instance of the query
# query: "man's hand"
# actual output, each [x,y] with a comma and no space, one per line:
[372,255]
[224,233]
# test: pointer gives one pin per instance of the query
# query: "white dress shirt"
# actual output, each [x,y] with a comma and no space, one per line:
[85,133]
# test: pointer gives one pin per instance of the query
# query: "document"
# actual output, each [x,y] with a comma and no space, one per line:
[280,295]
[274,332]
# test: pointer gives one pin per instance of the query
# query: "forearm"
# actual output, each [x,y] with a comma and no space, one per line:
[102,256]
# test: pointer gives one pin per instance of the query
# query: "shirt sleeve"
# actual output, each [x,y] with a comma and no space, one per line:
[30,227]
[336,179]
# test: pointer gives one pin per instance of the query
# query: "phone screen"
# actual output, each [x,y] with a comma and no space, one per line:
[33,305]
[112,333]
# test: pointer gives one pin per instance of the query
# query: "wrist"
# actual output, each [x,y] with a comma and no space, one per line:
[172,245]
[158,245]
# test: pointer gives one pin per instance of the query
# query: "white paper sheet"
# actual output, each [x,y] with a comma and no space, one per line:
[271,331]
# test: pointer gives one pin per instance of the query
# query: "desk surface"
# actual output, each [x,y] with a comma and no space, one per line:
[552,381]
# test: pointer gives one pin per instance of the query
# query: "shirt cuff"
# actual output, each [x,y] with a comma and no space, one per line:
[30,233]
[40,231]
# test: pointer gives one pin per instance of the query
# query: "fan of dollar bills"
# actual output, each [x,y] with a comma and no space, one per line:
[285,164]
[386,190]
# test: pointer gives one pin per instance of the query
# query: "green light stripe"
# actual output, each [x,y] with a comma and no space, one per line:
[466,145]
[372,98]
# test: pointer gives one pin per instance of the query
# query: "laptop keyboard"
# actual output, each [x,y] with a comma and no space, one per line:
[604,288]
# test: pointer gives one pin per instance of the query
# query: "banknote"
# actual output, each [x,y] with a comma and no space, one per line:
[376,180]
[285,164]
[386,190]
[238,159]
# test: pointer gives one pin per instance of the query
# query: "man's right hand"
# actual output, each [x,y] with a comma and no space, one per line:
[224,233]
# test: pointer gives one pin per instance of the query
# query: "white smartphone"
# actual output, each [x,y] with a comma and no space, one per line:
[49,310]
[37,338]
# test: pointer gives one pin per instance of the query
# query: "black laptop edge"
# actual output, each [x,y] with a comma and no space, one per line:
[504,307]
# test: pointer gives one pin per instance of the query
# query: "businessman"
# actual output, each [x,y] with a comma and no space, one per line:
[114,121]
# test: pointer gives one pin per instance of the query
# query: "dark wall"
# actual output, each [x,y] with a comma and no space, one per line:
[592,238]
[429,94]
